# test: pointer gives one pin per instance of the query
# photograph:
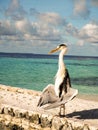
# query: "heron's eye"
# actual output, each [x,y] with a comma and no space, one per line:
[58,46]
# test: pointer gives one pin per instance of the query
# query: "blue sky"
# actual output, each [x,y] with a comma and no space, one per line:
[37,26]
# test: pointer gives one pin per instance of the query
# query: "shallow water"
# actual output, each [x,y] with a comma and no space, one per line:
[37,72]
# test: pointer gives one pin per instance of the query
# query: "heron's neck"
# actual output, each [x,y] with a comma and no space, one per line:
[61,61]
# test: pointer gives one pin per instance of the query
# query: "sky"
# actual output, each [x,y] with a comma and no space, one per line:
[37,26]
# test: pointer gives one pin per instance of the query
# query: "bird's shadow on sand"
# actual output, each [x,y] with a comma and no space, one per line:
[85,114]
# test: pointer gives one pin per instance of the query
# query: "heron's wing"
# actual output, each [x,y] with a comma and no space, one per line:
[48,96]
[69,96]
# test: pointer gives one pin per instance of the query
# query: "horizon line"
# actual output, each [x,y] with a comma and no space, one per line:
[23,53]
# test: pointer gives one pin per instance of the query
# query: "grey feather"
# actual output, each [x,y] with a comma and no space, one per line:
[48,96]
[66,98]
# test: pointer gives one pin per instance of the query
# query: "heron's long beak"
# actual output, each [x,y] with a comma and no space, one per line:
[54,50]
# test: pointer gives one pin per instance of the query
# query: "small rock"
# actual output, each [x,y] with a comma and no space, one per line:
[11,112]
[57,123]
[34,118]
[46,120]
[1,110]
[25,124]
[86,127]
[5,110]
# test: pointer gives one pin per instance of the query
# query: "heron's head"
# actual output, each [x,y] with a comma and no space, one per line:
[61,47]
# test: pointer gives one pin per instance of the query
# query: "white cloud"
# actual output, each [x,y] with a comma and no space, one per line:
[89,33]
[25,26]
[51,18]
[37,31]
[94,3]
[80,42]
[15,10]
[45,27]
[7,28]
[24,30]
[48,17]
[71,30]
[81,9]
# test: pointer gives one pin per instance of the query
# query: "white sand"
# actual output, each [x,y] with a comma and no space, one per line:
[77,110]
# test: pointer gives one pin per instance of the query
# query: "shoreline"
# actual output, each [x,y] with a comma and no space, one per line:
[78,111]
[84,96]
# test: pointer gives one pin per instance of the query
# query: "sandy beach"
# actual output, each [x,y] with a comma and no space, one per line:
[83,109]
[89,97]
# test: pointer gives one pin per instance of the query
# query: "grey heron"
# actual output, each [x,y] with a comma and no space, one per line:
[62,78]
[61,92]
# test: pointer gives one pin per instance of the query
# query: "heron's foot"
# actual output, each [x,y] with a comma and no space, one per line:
[62,110]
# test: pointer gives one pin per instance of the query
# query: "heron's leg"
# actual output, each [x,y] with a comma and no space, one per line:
[62,110]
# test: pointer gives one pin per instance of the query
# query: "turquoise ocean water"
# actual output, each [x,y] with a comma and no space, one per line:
[37,71]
